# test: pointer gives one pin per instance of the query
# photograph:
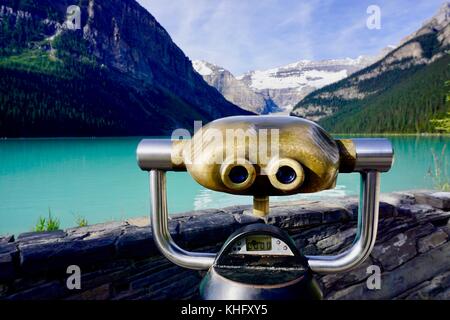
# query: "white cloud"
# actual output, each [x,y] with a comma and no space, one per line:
[242,35]
[238,34]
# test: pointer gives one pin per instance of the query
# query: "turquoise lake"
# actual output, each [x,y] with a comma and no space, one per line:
[98,179]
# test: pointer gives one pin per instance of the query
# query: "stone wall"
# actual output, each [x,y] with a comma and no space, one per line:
[118,260]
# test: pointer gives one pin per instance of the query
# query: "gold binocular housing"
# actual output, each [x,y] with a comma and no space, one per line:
[263,156]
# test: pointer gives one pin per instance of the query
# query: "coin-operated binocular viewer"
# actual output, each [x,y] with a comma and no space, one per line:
[263,156]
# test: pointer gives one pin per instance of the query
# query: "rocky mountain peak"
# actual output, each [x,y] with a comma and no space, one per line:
[205,68]
[147,86]
[406,83]
[442,17]
[436,23]
[231,88]
[279,89]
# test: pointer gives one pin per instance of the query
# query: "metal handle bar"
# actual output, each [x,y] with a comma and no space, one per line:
[160,228]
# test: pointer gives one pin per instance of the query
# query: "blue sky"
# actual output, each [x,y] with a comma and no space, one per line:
[242,35]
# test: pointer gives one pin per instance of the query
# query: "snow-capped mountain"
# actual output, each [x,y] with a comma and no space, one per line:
[279,89]
[233,90]
[287,85]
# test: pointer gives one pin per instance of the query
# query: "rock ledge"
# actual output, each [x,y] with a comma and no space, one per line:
[118,260]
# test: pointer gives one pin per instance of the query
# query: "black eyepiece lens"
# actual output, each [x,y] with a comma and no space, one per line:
[238,174]
[286,174]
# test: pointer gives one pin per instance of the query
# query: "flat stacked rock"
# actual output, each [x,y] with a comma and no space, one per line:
[118,260]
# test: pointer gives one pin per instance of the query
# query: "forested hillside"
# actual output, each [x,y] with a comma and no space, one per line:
[406,106]
[118,74]
[73,95]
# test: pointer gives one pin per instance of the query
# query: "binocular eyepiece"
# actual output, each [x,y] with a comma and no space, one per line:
[265,156]
[283,174]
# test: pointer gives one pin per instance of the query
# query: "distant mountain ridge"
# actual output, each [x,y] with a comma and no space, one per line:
[120,74]
[286,85]
[403,92]
[232,89]
[278,89]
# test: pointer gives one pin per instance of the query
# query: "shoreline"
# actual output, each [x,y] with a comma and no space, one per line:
[158,137]
[395,134]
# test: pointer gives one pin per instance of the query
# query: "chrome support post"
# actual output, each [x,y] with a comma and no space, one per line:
[160,228]
[366,232]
